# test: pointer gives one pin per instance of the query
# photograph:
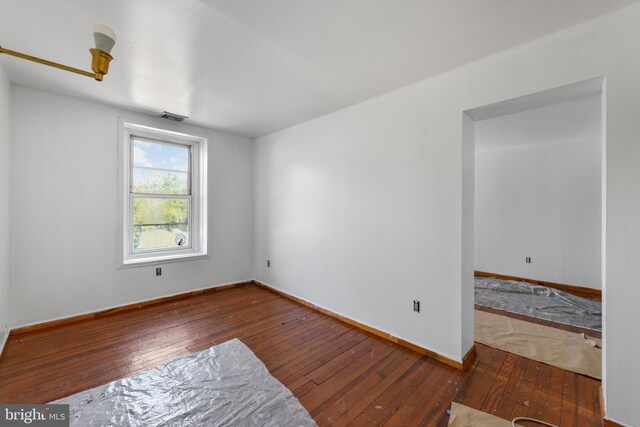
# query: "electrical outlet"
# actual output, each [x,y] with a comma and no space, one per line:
[416,306]
[528,260]
[268,263]
[158,271]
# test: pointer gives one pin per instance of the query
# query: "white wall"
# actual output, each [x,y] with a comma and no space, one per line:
[65,216]
[360,210]
[537,188]
[5,166]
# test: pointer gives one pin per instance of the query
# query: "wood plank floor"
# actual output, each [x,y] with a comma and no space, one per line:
[342,375]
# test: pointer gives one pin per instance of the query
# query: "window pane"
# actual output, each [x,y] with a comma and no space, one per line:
[154,181]
[160,168]
[160,223]
[160,155]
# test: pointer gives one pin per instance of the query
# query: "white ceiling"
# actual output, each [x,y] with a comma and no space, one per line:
[579,119]
[254,66]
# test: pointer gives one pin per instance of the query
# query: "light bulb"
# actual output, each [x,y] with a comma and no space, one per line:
[104,37]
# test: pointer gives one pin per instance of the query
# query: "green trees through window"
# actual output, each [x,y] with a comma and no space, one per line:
[160,195]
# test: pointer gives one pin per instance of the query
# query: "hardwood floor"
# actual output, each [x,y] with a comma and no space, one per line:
[342,375]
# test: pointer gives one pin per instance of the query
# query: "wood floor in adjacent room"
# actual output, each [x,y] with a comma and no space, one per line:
[341,374]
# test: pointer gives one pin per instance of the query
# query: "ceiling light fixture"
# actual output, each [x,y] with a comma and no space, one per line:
[104,38]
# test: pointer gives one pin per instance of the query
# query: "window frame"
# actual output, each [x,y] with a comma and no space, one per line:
[197,181]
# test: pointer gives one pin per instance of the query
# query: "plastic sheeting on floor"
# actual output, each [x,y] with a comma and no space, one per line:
[555,347]
[225,385]
[538,301]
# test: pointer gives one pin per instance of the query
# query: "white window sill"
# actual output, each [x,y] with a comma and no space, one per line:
[158,260]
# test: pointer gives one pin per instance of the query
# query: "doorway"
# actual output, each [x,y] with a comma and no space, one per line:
[534,221]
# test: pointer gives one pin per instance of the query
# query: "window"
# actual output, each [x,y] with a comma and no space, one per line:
[164,203]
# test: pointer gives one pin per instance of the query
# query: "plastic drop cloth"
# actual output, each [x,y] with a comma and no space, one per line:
[225,385]
[538,301]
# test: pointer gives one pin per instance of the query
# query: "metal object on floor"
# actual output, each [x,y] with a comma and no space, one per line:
[533,420]
[538,301]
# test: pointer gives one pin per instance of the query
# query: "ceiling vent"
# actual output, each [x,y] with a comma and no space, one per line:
[174,117]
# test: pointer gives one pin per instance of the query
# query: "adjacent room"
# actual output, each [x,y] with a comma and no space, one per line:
[538,226]
[301,213]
